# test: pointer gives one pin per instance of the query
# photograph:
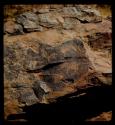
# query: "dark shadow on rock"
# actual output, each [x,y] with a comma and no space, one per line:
[69,110]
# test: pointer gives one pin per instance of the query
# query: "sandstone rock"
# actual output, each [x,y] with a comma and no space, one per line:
[100,40]
[84,15]
[30,26]
[44,86]
[102,64]
[56,6]
[70,23]
[47,20]
[56,58]
[27,96]
[109,18]
[106,78]
[45,55]
[12,28]
[40,11]
[57,68]
[29,21]
[43,10]
[60,19]
[69,11]
[27,15]
[69,5]
[72,55]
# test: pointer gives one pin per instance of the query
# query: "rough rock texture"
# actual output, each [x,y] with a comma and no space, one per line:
[82,13]
[51,51]
[12,28]
[47,20]
[105,116]
[50,64]
[29,21]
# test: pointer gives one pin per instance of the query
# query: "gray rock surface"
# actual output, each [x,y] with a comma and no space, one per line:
[48,20]
[29,21]
[53,51]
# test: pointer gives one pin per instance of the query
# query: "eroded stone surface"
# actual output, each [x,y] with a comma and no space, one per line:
[85,15]
[56,67]
[54,50]
[12,28]
[29,21]
[101,40]
[48,20]
[44,70]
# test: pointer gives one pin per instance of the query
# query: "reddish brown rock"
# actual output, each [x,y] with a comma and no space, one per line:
[12,28]
[29,21]
[50,62]
[47,20]
[101,40]
[71,53]
[83,14]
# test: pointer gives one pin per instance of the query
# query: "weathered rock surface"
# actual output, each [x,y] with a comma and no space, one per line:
[44,72]
[55,50]
[47,20]
[101,40]
[70,23]
[29,21]
[57,67]
[43,10]
[12,28]
[85,15]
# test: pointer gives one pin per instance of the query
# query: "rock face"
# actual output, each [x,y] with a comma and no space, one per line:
[47,20]
[29,22]
[82,13]
[57,69]
[101,40]
[52,51]
[12,28]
